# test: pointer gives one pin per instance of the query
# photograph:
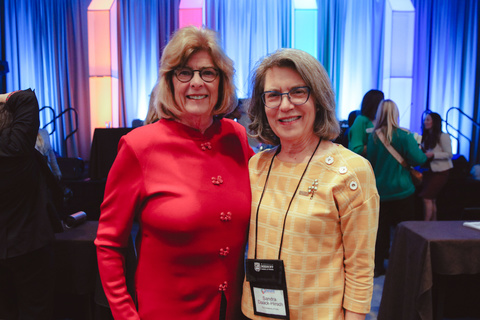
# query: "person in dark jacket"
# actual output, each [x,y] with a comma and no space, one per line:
[26,235]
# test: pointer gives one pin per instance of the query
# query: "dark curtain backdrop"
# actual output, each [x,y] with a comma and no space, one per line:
[46,46]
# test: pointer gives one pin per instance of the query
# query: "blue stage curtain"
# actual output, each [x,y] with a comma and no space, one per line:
[46,48]
[445,61]
[249,30]
[350,48]
[145,28]
[3,84]
[349,32]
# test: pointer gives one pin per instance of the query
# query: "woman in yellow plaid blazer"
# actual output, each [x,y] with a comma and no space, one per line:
[314,203]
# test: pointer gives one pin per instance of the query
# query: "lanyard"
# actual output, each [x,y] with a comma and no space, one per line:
[291,200]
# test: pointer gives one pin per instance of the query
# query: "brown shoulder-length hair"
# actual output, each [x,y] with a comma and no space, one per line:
[326,125]
[184,43]
[431,137]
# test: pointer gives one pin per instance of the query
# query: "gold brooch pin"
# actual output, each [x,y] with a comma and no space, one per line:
[313,188]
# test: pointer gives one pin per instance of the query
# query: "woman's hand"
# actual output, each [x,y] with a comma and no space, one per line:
[429,154]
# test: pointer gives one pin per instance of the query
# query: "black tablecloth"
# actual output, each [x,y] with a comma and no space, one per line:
[76,272]
[76,259]
[422,252]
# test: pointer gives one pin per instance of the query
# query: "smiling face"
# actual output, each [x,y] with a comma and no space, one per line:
[196,97]
[292,124]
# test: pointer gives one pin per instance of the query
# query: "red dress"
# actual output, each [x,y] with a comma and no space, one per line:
[191,195]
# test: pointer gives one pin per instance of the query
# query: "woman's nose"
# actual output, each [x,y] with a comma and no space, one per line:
[285,104]
[196,80]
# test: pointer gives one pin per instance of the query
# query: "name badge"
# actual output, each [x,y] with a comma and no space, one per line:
[268,287]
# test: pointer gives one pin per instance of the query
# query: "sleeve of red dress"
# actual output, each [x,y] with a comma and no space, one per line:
[123,193]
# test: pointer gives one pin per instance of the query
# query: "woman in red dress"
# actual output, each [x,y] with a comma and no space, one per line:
[185,179]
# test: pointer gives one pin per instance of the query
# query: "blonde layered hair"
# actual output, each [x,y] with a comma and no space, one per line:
[184,43]
[152,111]
[387,119]
[316,78]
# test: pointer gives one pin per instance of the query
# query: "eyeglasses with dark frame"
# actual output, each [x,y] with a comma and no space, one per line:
[185,74]
[297,96]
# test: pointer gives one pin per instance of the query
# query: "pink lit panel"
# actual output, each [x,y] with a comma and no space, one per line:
[189,17]
[99,58]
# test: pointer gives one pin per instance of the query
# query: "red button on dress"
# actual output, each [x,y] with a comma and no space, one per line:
[217,180]
[206,146]
[226,216]
[223,286]
[224,252]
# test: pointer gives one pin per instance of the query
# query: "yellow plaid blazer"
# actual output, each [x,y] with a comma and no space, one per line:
[329,241]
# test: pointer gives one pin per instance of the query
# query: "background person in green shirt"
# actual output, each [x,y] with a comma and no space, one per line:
[394,184]
[358,133]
